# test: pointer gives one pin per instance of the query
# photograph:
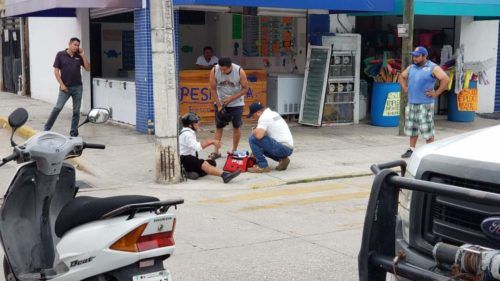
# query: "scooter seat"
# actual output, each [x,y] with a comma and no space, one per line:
[84,209]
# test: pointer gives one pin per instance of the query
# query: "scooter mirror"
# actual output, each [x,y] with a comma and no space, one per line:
[98,115]
[18,118]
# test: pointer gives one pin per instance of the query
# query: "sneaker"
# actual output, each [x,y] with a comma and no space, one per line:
[283,164]
[192,175]
[407,154]
[214,156]
[259,170]
[227,177]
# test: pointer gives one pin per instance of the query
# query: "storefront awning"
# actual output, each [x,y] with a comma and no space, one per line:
[478,8]
[457,7]
[30,7]
[335,5]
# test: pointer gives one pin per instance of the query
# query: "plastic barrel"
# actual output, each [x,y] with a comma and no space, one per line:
[454,114]
[379,98]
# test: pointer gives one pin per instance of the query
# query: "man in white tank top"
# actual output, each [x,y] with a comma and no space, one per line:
[230,83]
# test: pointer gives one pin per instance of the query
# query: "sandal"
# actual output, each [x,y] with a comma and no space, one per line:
[214,156]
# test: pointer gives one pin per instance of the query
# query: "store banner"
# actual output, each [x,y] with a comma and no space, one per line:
[195,95]
[467,100]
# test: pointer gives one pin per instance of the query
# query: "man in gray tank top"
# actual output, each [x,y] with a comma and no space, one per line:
[230,83]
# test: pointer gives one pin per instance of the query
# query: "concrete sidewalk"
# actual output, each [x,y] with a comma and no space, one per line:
[320,153]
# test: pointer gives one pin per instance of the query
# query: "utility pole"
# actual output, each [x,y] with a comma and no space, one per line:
[408,14]
[165,92]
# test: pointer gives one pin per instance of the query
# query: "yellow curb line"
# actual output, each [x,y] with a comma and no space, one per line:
[27,132]
[308,180]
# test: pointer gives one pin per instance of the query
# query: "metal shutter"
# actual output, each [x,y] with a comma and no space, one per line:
[313,91]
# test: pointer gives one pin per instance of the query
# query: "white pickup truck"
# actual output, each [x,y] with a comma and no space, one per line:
[439,220]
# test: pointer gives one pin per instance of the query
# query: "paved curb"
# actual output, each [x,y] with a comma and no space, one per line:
[27,132]
[308,180]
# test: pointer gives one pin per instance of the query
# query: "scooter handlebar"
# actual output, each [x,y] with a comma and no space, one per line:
[9,158]
[93,145]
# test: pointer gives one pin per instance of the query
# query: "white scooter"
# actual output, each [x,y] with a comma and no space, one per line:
[49,234]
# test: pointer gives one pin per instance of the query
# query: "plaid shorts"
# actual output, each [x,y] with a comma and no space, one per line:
[419,119]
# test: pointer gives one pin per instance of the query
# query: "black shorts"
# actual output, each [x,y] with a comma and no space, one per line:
[193,164]
[235,113]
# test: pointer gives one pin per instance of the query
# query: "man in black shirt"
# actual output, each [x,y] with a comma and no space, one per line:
[67,71]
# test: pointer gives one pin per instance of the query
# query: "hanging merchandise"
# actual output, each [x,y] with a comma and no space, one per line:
[462,73]
[425,39]
[459,70]
[483,78]
[468,77]
[446,53]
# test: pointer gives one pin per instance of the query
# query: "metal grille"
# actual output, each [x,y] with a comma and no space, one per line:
[11,54]
[457,221]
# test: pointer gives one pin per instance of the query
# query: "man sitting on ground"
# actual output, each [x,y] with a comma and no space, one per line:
[189,148]
[271,138]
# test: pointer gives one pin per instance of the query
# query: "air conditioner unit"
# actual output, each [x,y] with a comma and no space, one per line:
[204,8]
[278,12]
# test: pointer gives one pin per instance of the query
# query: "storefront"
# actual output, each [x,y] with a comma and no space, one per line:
[106,31]
[264,44]
[442,27]
[113,62]
[270,43]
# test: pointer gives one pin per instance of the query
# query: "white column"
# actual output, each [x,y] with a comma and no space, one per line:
[165,92]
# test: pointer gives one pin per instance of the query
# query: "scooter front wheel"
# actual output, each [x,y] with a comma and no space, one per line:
[7,271]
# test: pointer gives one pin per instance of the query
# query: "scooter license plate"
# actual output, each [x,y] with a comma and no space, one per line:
[155,276]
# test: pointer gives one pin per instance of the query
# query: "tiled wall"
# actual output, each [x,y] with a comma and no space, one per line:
[144,68]
[143,71]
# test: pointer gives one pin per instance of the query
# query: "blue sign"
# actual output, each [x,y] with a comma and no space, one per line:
[491,227]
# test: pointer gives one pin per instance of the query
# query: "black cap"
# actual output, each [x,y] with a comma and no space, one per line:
[254,107]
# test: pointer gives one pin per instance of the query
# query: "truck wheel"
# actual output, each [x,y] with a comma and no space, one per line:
[7,271]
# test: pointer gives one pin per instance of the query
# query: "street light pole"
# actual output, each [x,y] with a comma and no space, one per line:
[165,92]
[408,15]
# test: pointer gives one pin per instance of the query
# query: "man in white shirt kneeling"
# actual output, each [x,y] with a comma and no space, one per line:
[271,138]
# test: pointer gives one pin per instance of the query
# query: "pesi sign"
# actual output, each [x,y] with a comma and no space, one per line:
[195,95]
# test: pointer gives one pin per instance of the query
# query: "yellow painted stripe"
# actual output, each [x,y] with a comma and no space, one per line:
[307,201]
[24,132]
[276,193]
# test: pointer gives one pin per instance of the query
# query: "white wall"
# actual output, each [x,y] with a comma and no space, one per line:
[342,23]
[47,36]
[480,41]
[422,22]
[217,32]
[197,37]
[83,20]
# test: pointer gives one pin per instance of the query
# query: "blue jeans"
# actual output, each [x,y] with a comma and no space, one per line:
[75,92]
[268,147]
